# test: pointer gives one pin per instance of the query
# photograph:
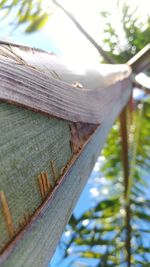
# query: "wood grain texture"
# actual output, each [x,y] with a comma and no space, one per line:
[37,242]
[91,76]
[32,84]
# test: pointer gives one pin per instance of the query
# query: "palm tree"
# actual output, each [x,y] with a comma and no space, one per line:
[119,223]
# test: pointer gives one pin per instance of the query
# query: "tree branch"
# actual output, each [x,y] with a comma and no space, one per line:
[125,163]
[128,235]
[124,145]
[107,58]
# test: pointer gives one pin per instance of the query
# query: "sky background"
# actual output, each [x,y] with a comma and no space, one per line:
[61,36]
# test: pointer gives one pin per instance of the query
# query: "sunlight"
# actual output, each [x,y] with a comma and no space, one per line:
[68,233]
[94,192]
[85,222]
[73,46]
[105,191]
[122,212]
[69,250]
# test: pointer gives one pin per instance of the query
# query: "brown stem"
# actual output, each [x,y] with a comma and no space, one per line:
[107,58]
[125,162]
[124,146]
[128,235]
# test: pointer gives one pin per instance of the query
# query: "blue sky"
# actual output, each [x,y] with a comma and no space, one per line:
[86,200]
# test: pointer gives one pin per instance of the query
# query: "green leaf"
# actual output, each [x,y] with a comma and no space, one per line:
[142,216]
[38,23]
[108,203]
[91,255]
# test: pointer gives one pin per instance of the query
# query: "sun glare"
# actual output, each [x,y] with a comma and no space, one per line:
[73,46]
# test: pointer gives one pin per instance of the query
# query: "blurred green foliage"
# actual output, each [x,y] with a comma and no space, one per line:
[31,14]
[102,232]
[135,30]
[104,236]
